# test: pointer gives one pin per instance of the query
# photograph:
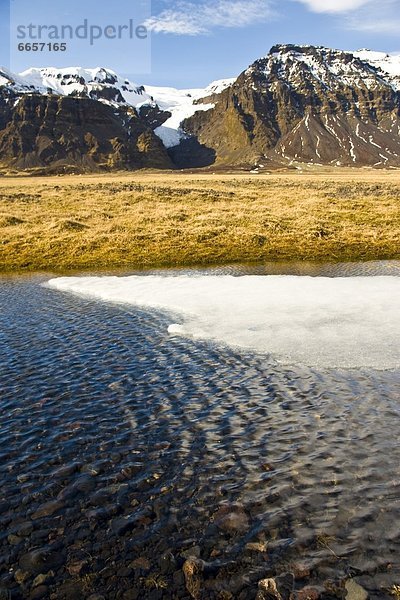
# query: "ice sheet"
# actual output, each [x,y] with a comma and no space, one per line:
[318,321]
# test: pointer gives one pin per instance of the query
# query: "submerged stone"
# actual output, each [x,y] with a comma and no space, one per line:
[193,572]
[355,591]
[232,518]
[267,590]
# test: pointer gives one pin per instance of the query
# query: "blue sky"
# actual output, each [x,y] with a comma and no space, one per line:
[197,41]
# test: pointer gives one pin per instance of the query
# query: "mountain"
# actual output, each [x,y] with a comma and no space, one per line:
[59,121]
[87,119]
[307,104]
[298,104]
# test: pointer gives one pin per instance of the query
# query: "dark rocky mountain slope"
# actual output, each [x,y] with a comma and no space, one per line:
[39,129]
[306,104]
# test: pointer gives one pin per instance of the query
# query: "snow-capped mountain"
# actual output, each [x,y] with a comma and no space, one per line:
[311,105]
[71,119]
[108,87]
[298,104]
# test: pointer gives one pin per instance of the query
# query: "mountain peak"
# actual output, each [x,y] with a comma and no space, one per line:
[300,49]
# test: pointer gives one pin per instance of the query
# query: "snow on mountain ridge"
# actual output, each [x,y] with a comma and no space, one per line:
[332,67]
[387,64]
[218,86]
[293,65]
[79,81]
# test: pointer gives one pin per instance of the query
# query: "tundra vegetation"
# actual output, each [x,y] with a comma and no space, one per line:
[164,219]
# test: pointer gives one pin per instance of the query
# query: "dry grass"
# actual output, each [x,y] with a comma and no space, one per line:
[165,219]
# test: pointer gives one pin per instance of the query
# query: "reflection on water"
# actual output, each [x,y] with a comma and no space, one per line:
[124,451]
[310,268]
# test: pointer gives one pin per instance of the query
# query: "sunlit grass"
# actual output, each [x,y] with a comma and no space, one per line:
[169,219]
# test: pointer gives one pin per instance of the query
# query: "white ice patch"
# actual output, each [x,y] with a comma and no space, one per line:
[176,329]
[170,132]
[182,104]
[325,322]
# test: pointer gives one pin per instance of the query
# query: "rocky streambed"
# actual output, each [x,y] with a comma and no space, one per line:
[134,465]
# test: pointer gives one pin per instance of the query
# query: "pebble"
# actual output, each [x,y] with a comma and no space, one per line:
[308,593]
[267,467]
[100,498]
[20,576]
[256,547]
[94,470]
[42,578]
[355,591]
[193,572]
[39,536]
[24,529]
[41,560]
[14,540]
[39,592]
[285,584]
[232,518]
[66,471]
[267,590]
[300,571]
[193,552]
[122,525]
[140,563]
[76,568]
[82,486]
[168,564]
[48,509]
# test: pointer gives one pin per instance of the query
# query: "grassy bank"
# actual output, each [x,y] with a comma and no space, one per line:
[155,219]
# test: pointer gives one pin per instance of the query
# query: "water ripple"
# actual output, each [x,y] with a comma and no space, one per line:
[123,451]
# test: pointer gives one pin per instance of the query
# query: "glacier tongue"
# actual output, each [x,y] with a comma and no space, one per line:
[182,104]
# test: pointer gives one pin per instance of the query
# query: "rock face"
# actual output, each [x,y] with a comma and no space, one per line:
[307,104]
[74,133]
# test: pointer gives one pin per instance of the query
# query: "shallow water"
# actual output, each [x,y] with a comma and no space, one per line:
[124,450]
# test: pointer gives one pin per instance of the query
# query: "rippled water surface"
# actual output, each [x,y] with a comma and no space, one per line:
[124,451]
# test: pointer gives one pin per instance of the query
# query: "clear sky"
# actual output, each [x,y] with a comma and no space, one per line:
[197,41]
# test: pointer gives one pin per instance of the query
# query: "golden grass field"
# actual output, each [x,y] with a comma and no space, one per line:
[151,219]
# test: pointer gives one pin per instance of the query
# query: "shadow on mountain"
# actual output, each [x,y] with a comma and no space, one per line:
[191,154]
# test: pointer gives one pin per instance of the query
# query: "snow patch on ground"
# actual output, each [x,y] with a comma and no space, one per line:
[325,322]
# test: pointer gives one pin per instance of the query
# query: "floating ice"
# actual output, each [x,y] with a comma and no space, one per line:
[317,321]
[176,329]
